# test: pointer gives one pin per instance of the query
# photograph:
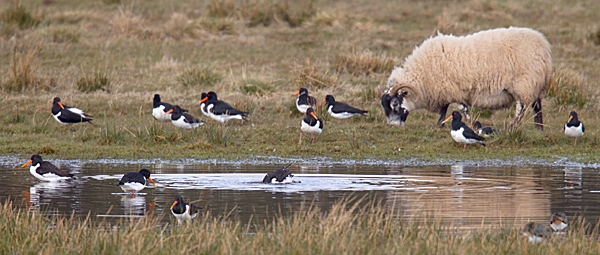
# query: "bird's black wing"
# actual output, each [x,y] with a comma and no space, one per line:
[132,177]
[190,119]
[343,107]
[223,108]
[68,116]
[47,167]
[470,134]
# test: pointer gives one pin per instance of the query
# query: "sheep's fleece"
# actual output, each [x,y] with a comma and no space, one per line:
[489,69]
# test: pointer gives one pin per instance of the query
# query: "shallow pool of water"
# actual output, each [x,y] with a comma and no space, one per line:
[462,194]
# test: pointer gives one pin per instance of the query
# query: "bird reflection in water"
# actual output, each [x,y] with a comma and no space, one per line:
[42,193]
[133,205]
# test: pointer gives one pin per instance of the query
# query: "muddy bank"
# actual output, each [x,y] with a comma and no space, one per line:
[15,161]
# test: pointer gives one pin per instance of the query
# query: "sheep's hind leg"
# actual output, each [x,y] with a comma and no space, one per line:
[537,110]
[442,115]
[519,110]
[465,110]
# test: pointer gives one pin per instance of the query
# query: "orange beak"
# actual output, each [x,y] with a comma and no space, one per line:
[447,119]
[28,163]
[152,181]
[325,100]
[314,115]
[570,118]
[174,204]
[297,93]
[169,111]
[204,100]
[61,105]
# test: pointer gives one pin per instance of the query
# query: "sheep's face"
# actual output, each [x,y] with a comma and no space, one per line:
[394,109]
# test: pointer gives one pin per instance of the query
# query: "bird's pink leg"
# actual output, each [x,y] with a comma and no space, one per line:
[464,148]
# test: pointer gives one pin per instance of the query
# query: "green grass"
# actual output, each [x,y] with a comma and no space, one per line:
[256,54]
[349,227]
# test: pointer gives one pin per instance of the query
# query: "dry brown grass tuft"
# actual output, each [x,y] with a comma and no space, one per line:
[94,81]
[263,12]
[310,75]
[568,88]
[365,63]
[22,73]
[199,76]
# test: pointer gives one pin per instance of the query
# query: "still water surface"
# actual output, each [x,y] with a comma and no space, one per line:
[463,195]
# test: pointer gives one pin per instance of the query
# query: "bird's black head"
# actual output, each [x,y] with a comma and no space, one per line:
[392,107]
[212,95]
[156,98]
[177,109]
[302,91]
[145,172]
[456,116]
[179,199]
[35,158]
[477,125]
[56,100]
[329,99]
[573,115]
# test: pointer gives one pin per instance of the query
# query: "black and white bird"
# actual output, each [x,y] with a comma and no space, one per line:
[574,128]
[68,115]
[135,181]
[183,120]
[160,109]
[281,175]
[304,101]
[461,133]
[183,211]
[483,131]
[44,170]
[536,232]
[558,221]
[203,99]
[341,110]
[222,111]
[311,124]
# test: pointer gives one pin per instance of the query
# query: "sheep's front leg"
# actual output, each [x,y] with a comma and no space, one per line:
[442,115]
[537,110]
[465,110]
[519,110]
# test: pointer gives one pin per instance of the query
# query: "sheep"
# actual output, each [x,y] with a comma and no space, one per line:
[489,69]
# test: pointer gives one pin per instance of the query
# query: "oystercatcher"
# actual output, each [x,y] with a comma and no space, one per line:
[160,109]
[203,99]
[536,232]
[183,211]
[135,181]
[304,101]
[341,110]
[183,120]
[483,131]
[558,221]
[68,115]
[45,170]
[311,124]
[281,175]
[221,111]
[573,127]
[461,133]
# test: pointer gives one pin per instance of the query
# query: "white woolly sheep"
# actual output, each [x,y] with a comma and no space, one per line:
[489,69]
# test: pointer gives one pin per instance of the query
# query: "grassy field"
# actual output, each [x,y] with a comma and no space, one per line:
[344,229]
[109,57]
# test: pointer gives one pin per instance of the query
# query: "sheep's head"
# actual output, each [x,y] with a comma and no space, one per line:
[392,106]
